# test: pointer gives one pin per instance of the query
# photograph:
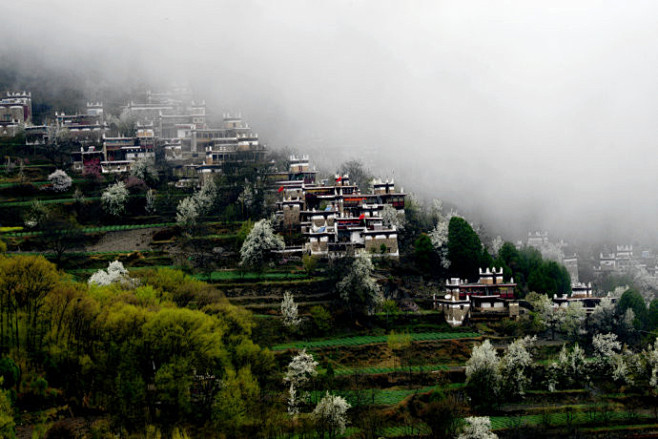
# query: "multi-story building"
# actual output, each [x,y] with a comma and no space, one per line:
[336,218]
[15,112]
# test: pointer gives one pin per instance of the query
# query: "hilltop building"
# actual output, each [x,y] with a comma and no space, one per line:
[15,112]
[489,296]
[336,218]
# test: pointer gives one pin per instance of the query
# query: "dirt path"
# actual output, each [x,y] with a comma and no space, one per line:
[127,240]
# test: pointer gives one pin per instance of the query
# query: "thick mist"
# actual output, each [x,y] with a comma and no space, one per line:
[526,115]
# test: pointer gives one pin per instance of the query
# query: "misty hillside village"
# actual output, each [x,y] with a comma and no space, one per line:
[166,274]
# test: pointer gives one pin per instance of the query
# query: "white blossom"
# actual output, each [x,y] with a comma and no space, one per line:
[651,356]
[246,197]
[439,237]
[144,169]
[483,357]
[331,413]
[514,364]
[289,311]
[293,401]
[60,181]
[37,214]
[605,347]
[150,202]
[602,318]
[496,245]
[301,369]
[477,427]
[114,198]
[205,197]
[260,241]
[187,212]
[573,319]
[572,362]
[358,285]
[391,217]
[116,273]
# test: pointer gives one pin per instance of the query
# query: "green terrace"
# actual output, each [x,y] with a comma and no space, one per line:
[346,371]
[372,339]
[116,228]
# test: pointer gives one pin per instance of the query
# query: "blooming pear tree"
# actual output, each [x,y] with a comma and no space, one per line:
[391,217]
[187,212]
[477,427]
[514,366]
[301,369]
[358,289]
[60,181]
[289,311]
[115,273]
[114,199]
[144,169]
[331,415]
[482,374]
[259,243]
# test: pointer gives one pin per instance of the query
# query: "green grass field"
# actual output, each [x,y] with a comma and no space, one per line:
[346,371]
[116,228]
[371,339]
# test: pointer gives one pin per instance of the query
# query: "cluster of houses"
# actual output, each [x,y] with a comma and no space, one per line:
[492,296]
[336,217]
[170,122]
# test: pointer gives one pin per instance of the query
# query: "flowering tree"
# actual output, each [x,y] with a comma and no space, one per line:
[289,311]
[114,198]
[391,217]
[477,427]
[358,289]
[496,245]
[116,273]
[482,374]
[300,370]
[605,347]
[144,169]
[573,319]
[651,358]
[206,196]
[60,181]
[514,365]
[545,314]
[603,317]
[331,415]
[187,212]
[572,363]
[439,238]
[150,202]
[246,198]
[259,243]
[36,214]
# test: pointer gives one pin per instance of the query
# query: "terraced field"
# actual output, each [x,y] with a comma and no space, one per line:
[372,339]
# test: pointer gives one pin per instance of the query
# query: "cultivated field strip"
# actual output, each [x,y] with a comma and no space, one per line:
[372,339]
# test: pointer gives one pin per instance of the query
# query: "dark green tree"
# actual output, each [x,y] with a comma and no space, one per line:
[653,314]
[424,253]
[634,300]
[464,249]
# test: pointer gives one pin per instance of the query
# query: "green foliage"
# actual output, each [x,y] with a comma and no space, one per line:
[531,272]
[465,250]
[233,407]
[631,299]
[424,253]
[310,262]
[372,339]
[7,424]
[321,318]
[653,314]
[130,351]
